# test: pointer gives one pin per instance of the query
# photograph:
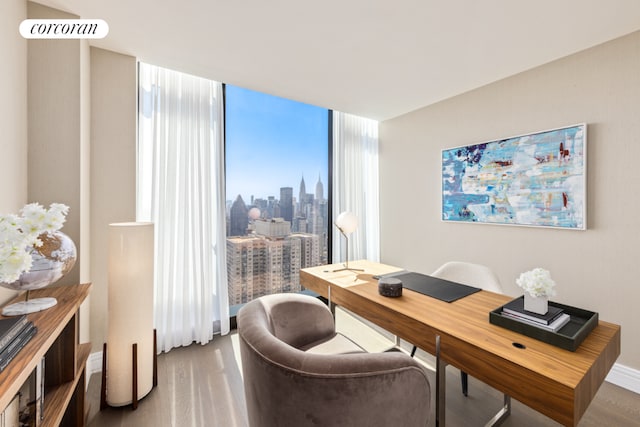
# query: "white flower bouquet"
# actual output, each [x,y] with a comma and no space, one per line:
[19,232]
[537,283]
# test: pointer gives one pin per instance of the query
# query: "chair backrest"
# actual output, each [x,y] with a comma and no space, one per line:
[470,274]
[285,386]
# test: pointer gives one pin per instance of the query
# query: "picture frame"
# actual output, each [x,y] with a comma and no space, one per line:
[536,179]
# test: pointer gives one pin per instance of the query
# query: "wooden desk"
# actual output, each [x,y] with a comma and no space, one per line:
[553,381]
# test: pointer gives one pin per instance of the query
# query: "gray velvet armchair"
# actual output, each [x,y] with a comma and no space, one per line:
[294,375]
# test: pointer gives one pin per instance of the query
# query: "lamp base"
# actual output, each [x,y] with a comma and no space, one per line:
[134,375]
[29,306]
[347,268]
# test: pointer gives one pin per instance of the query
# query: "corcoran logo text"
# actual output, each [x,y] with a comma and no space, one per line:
[64,28]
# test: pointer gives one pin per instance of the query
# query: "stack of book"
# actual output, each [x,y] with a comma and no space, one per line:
[554,320]
[15,333]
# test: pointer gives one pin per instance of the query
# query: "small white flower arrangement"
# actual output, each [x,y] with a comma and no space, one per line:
[19,232]
[537,283]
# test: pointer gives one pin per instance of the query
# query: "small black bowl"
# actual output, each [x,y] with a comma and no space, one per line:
[390,287]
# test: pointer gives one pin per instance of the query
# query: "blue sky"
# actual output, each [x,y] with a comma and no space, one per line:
[272,142]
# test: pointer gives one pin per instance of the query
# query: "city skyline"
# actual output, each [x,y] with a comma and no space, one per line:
[280,140]
[310,189]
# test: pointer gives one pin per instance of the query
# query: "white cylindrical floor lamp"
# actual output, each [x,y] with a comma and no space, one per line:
[129,355]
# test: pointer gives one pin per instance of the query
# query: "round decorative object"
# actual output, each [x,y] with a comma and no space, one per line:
[254,213]
[51,261]
[390,287]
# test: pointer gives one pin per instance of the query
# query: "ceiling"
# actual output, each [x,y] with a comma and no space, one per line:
[374,58]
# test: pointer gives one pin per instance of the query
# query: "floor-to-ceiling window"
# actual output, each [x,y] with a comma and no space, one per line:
[277,186]
[267,170]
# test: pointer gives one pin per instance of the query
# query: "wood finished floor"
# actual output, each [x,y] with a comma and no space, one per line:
[201,386]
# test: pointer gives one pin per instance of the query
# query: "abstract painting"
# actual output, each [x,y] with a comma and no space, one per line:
[537,179]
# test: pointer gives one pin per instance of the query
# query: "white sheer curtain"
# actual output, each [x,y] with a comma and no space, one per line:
[355,184]
[181,190]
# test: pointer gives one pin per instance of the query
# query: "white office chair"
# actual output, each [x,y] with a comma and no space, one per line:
[469,274]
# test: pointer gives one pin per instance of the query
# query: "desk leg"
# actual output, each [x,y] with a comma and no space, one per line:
[441,382]
[332,306]
[502,414]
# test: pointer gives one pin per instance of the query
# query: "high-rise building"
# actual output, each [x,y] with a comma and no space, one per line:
[273,228]
[261,204]
[319,190]
[270,207]
[258,265]
[286,203]
[245,268]
[302,196]
[238,218]
[323,213]
[316,221]
[310,249]
[299,225]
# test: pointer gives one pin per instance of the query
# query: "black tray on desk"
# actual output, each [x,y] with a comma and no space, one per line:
[569,337]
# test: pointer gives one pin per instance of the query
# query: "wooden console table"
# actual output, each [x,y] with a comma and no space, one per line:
[57,341]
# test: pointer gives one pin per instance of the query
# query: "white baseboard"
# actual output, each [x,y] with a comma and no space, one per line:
[620,375]
[624,377]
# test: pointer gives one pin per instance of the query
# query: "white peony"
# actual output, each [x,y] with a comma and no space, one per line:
[537,282]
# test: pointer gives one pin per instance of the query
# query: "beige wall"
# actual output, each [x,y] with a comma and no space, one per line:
[55,128]
[113,168]
[13,112]
[597,269]
[58,133]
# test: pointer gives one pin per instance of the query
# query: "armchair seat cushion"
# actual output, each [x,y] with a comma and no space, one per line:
[338,344]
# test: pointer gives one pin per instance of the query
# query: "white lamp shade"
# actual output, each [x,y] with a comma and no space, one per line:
[131,251]
[347,222]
